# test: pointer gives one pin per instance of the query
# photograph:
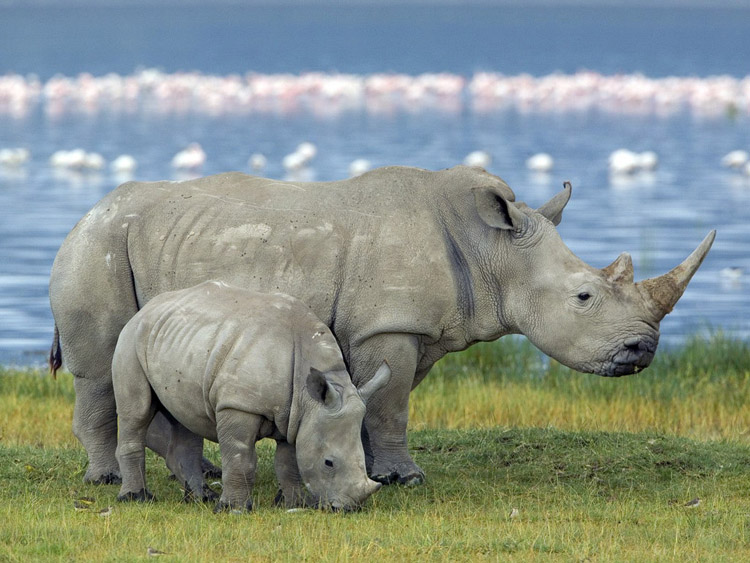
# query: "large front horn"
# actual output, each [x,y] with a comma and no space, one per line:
[663,292]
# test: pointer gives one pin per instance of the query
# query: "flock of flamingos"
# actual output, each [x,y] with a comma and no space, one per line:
[330,94]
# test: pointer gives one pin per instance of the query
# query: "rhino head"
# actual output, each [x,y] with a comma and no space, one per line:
[592,320]
[330,455]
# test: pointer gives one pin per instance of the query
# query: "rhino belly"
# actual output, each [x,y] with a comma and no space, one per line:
[184,401]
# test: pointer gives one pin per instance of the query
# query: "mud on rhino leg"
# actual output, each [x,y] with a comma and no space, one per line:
[95,426]
[384,434]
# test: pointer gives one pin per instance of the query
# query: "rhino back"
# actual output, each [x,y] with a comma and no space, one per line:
[366,254]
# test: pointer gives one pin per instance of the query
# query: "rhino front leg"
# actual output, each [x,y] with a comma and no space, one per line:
[95,426]
[293,492]
[384,435]
[237,432]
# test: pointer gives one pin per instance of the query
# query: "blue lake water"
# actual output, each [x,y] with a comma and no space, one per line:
[659,217]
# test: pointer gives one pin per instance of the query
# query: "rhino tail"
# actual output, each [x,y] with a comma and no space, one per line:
[55,354]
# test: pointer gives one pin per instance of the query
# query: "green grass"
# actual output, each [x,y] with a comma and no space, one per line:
[496,428]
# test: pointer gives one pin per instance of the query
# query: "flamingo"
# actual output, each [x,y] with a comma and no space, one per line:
[540,162]
[359,166]
[123,164]
[190,158]
[735,159]
[481,159]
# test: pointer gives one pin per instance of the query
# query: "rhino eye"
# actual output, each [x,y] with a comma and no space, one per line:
[583,296]
[329,463]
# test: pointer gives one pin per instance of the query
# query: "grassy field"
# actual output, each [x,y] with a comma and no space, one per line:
[526,460]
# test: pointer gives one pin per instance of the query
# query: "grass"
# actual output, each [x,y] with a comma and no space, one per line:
[701,390]
[596,469]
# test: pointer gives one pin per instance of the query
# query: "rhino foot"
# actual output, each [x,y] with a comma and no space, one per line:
[411,480]
[110,478]
[233,508]
[296,499]
[206,494]
[139,496]
[404,474]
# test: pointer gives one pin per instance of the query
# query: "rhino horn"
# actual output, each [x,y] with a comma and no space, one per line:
[553,209]
[663,292]
[621,270]
[381,378]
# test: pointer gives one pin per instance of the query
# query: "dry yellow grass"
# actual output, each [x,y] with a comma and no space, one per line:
[472,403]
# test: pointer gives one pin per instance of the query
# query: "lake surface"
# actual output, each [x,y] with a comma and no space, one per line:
[659,217]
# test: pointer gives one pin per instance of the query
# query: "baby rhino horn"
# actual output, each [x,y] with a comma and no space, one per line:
[381,378]
[663,292]
[621,270]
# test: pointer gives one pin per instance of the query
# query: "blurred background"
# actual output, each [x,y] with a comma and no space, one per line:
[644,107]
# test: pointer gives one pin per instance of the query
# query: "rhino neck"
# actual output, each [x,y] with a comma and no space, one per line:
[477,314]
[287,421]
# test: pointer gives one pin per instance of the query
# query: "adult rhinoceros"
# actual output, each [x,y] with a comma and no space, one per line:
[402,264]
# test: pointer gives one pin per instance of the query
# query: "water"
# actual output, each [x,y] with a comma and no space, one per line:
[658,217]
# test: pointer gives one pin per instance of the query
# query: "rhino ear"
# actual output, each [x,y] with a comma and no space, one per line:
[553,209]
[497,211]
[322,390]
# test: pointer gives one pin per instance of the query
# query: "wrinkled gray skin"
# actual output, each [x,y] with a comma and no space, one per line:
[401,263]
[235,366]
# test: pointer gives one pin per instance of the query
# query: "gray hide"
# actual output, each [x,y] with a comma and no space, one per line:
[401,263]
[235,366]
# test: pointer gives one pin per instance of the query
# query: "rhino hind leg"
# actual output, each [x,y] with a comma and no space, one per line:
[95,426]
[185,458]
[384,435]
[135,416]
[183,453]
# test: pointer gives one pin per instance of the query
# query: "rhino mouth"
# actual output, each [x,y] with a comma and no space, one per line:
[633,355]
[338,506]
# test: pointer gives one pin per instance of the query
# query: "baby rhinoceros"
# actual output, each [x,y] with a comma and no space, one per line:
[235,366]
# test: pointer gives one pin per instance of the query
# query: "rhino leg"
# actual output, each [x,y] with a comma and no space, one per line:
[293,492]
[384,435]
[95,426]
[161,434]
[184,456]
[91,304]
[136,409]
[237,432]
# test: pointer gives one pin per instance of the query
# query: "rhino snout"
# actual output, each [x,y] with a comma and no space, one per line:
[352,501]
[634,354]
